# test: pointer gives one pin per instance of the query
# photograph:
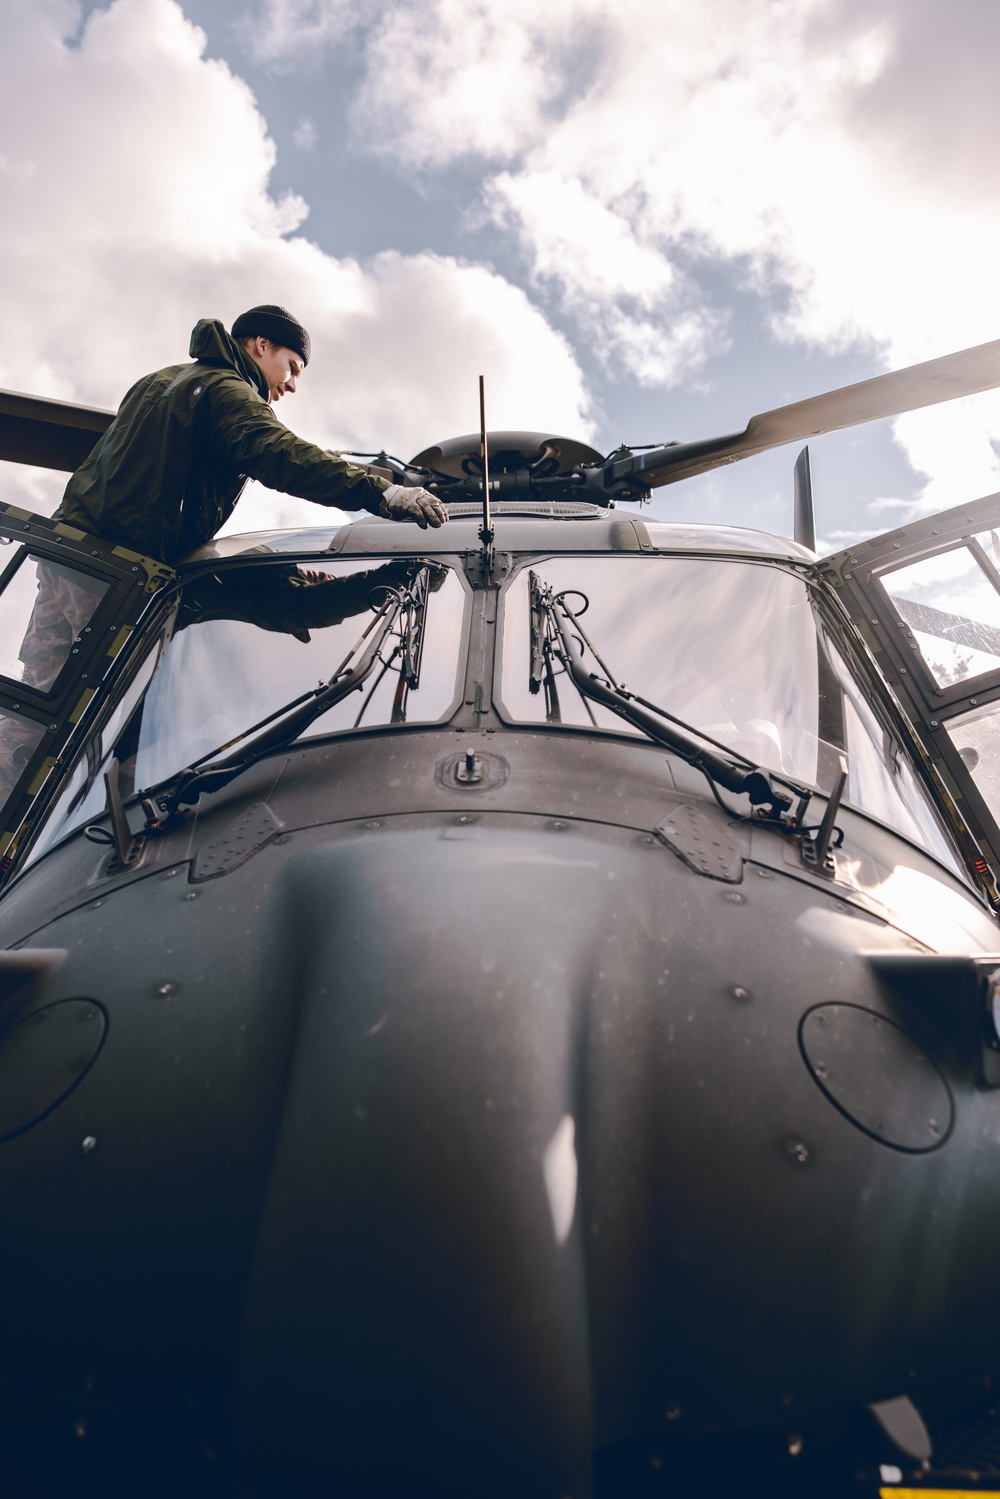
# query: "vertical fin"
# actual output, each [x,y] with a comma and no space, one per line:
[805,518]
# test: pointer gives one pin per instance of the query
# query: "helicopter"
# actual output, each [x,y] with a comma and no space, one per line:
[511,1009]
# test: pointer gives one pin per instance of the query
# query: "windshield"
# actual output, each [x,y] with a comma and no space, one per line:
[248,641]
[733,649]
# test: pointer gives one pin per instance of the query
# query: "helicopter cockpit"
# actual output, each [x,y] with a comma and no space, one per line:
[735,648]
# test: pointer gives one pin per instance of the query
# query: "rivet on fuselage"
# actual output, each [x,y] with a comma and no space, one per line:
[798,1152]
[740,993]
[673,1412]
[88,1144]
[795,1444]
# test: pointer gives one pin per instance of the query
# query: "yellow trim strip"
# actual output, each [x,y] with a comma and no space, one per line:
[41,776]
[82,703]
[895,1493]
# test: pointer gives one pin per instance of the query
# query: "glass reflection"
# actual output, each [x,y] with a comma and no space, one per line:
[952,606]
[83,797]
[249,640]
[734,650]
[43,608]
[19,738]
[976,736]
[729,647]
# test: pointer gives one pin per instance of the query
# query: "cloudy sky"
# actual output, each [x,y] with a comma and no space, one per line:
[641,219]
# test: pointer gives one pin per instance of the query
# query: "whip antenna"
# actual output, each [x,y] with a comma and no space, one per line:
[486,529]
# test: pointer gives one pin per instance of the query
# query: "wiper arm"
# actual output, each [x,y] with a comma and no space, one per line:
[403,608]
[559,634]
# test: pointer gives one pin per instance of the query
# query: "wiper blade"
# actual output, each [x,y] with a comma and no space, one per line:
[402,609]
[560,635]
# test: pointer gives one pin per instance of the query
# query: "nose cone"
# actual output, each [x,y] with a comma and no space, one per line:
[418,1301]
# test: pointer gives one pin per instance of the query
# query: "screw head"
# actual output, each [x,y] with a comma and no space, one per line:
[798,1152]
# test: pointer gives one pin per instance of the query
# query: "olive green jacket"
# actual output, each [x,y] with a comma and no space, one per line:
[168,471]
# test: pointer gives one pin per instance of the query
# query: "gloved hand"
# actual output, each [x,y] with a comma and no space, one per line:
[401,502]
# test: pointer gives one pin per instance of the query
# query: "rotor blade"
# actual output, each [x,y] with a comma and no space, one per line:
[963,374]
[48,434]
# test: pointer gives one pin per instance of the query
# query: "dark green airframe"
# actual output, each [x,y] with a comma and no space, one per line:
[511,1010]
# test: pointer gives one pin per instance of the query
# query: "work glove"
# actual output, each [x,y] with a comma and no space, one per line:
[403,502]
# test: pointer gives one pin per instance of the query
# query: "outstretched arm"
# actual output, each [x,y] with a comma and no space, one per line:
[248,435]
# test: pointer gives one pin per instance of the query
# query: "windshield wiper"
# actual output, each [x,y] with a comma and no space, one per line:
[402,610]
[557,635]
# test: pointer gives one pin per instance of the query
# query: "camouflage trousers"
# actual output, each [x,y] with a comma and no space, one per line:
[64,605]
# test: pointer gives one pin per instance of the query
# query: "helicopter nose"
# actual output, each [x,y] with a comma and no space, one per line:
[419,1278]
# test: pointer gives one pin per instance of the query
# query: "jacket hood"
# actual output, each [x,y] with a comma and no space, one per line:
[211,344]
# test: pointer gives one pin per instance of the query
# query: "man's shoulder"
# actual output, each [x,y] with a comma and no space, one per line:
[186,383]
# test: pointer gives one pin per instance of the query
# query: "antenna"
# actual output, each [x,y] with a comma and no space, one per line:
[486,529]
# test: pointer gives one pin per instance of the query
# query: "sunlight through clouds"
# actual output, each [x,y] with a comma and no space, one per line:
[136,188]
[631,148]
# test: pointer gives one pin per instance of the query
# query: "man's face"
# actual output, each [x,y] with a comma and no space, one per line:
[281,367]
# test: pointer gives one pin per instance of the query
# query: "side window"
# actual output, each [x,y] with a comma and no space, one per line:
[19,738]
[926,601]
[950,605]
[45,607]
[83,796]
[976,736]
[69,602]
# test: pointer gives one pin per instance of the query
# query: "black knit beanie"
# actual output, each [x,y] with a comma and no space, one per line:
[277,324]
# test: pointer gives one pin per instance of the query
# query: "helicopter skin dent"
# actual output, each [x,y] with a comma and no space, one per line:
[510,1009]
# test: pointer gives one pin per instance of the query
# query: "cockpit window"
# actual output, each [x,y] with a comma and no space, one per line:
[733,649]
[250,640]
[245,644]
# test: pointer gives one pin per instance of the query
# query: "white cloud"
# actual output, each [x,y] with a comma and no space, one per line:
[836,156]
[135,199]
[625,295]
[283,33]
[454,79]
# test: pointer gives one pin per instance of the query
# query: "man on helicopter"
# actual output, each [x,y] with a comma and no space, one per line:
[168,472]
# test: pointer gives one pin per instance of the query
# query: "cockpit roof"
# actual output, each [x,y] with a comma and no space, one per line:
[541,529]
